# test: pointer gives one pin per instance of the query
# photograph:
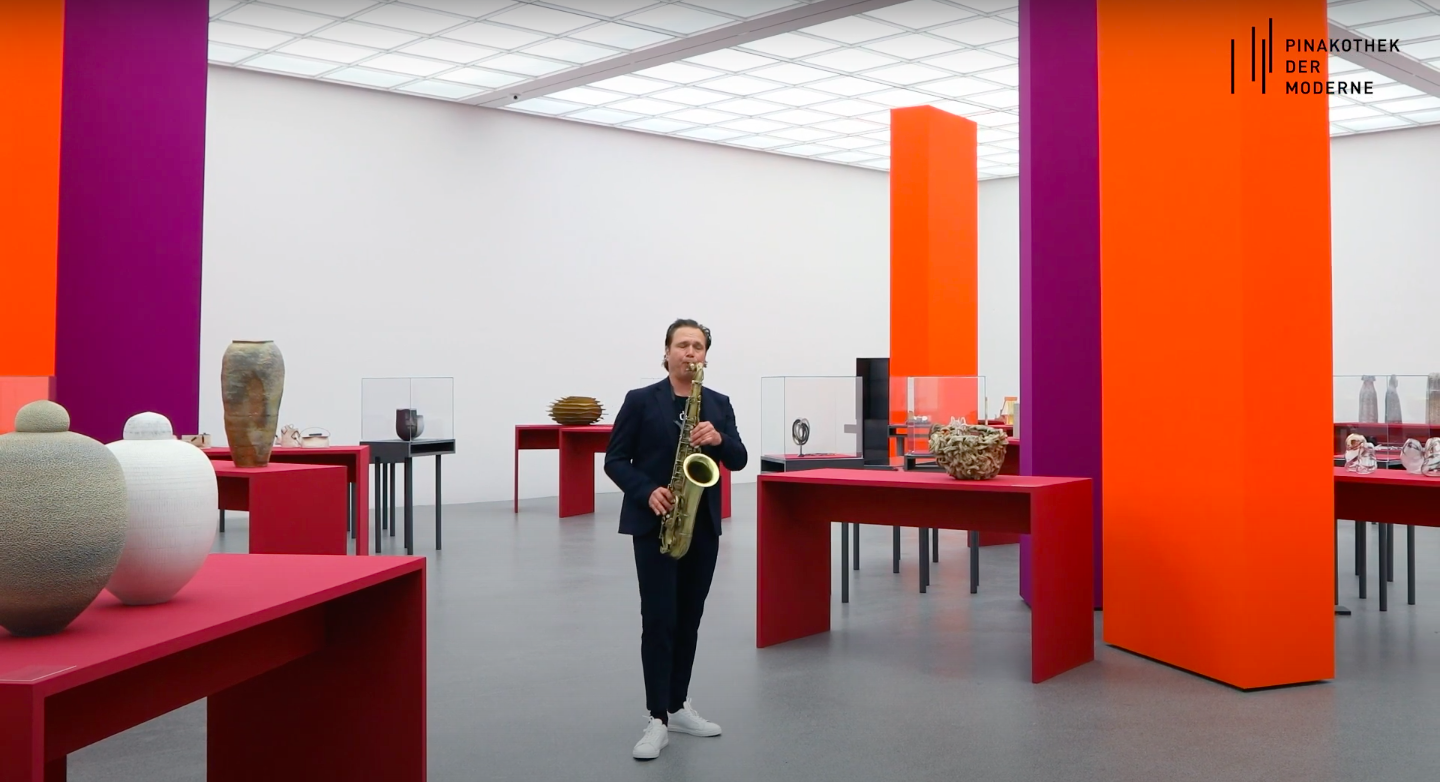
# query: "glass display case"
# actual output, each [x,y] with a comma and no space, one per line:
[934,401]
[810,422]
[1386,410]
[407,409]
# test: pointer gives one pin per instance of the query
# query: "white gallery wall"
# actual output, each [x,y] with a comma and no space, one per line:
[1385,229]
[378,235]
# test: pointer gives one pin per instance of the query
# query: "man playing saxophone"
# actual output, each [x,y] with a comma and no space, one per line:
[642,459]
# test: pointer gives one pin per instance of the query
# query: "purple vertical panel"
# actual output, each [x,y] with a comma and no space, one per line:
[1060,249]
[132,186]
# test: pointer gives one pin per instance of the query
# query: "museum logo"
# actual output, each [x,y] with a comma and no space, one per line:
[1303,56]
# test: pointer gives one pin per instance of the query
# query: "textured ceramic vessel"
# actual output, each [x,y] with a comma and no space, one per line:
[970,452]
[1369,404]
[1432,400]
[62,520]
[172,497]
[252,380]
[1392,401]
[576,411]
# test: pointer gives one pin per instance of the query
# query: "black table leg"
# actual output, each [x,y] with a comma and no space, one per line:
[379,503]
[437,502]
[1361,564]
[222,519]
[855,546]
[924,559]
[1339,609]
[390,492]
[1390,553]
[895,552]
[350,499]
[935,545]
[844,564]
[1359,546]
[1384,544]
[974,540]
[1410,561]
[409,506]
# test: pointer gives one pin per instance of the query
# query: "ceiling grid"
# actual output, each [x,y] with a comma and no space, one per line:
[822,91]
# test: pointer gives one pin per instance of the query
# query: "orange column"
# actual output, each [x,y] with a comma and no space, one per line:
[1215,316]
[934,322]
[31,43]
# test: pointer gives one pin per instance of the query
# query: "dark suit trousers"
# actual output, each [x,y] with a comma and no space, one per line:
[672,599]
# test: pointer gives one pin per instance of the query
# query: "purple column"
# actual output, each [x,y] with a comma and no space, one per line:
[132,186]
[1060,250]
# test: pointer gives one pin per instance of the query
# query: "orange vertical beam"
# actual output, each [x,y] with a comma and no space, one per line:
[31,42]
[934,319]
[933,246]
[1215,290]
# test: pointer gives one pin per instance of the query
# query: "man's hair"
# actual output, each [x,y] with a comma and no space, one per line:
[682,323]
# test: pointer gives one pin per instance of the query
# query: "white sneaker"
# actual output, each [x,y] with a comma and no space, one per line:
[656,738]
[687,720]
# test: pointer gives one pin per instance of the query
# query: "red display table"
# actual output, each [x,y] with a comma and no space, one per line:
[354,458]
[793,583]
[1387,497]
[578,446]
[294,508]
[287,649]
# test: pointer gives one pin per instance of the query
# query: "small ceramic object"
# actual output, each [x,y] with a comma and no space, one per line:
[289,437]
[409,423]
[1430,465]
[1366,463]
[576,411]
[1353,444]
[315,438]
[1412,455]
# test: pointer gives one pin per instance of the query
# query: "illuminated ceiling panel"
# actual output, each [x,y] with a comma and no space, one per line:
[816,90]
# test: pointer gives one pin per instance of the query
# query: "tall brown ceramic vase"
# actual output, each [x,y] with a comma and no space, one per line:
[252,379]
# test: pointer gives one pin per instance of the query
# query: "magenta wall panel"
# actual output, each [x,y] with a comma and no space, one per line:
[132,186]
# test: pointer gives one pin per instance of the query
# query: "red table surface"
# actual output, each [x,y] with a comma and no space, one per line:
[577,486]
[294,508]
[1387,497]
[283,645]
[793,550]
[231,592]
[1011,484]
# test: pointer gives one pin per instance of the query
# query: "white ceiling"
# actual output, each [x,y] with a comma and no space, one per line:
[822,91]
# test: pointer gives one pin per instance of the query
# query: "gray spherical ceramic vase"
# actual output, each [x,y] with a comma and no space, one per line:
[62,521]
[252,380]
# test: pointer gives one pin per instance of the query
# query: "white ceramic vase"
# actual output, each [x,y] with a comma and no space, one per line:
[172,505]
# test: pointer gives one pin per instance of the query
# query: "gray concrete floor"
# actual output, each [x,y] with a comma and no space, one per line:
[535,675]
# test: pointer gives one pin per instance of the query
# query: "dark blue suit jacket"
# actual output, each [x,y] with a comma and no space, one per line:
[642,450]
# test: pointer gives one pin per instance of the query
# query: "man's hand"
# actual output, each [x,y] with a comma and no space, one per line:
[661,501]
[704,434]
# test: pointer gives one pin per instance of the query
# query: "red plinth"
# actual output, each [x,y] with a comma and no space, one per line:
[577,446]
[354,458]
[294,508]
[793,586]
[1387,497]
[285,647]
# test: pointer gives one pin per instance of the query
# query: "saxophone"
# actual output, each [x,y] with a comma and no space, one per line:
[691,475]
